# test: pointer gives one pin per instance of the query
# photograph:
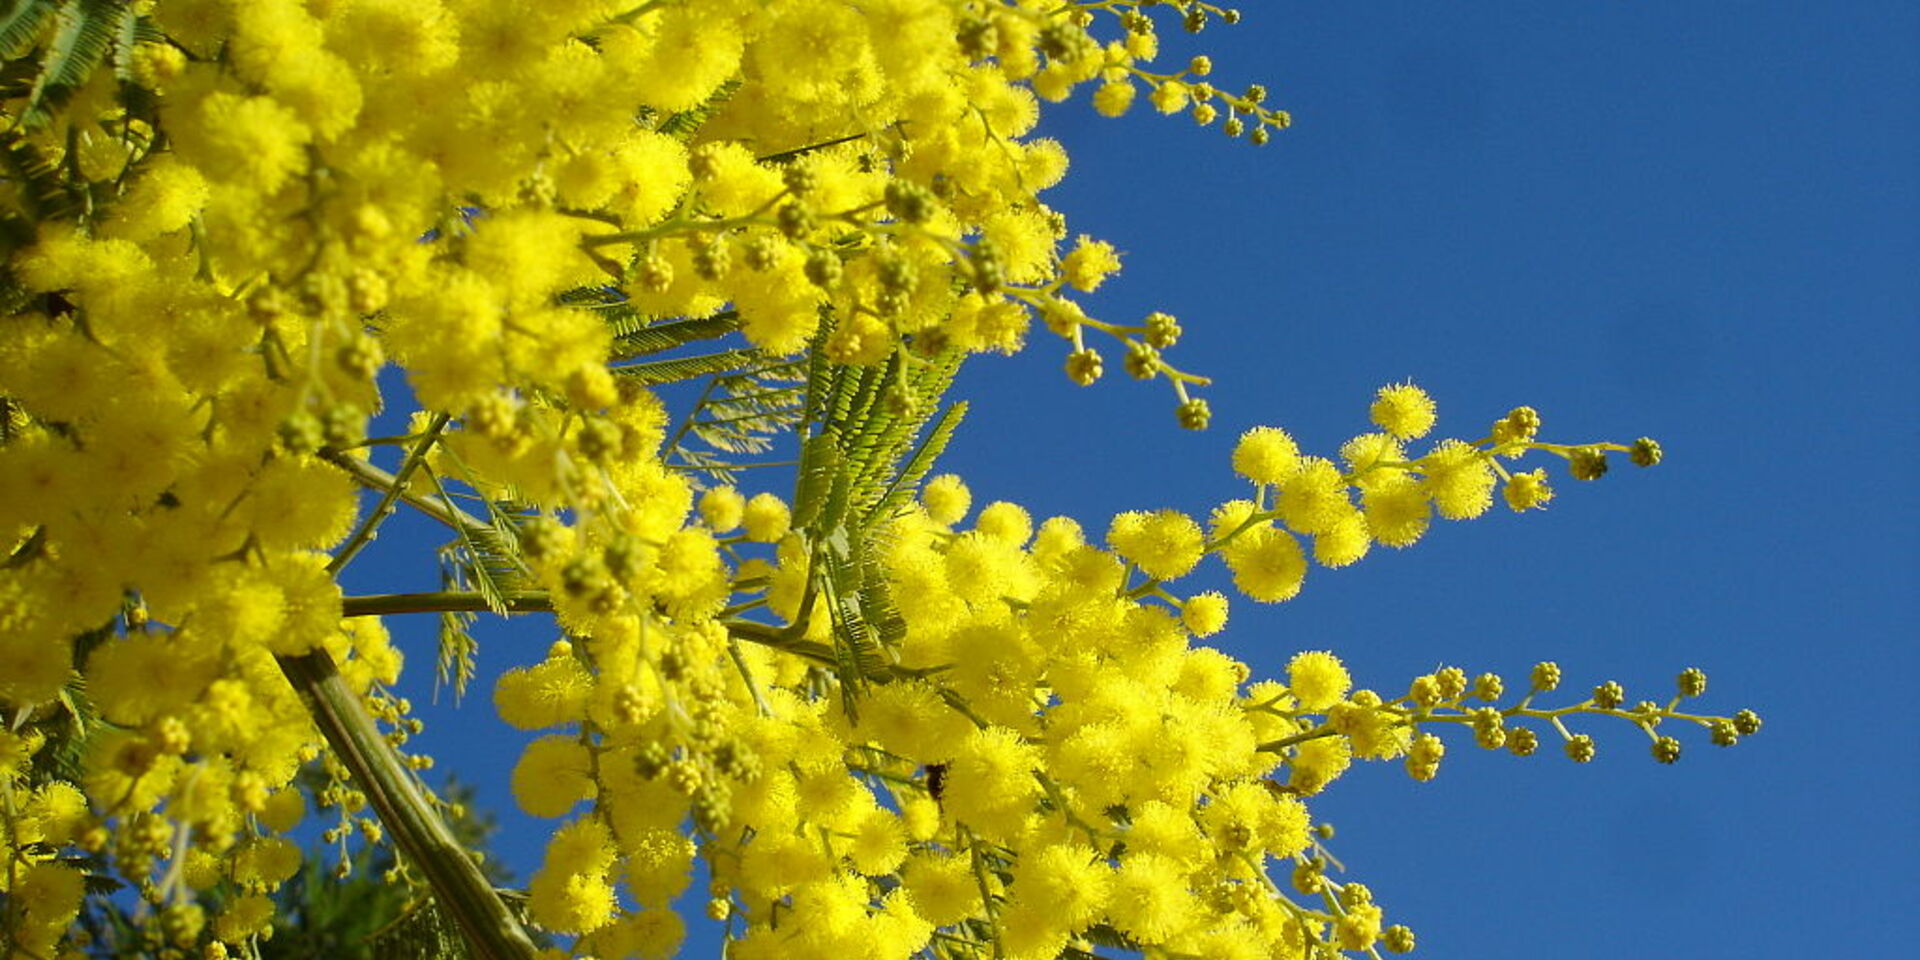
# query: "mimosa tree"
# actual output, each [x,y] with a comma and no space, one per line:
[890,723]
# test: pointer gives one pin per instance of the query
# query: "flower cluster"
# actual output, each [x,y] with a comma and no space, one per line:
[885,733]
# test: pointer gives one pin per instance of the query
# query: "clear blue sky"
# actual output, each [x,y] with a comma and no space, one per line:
[1696,221]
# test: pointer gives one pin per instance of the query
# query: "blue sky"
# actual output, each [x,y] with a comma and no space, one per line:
[1692,221]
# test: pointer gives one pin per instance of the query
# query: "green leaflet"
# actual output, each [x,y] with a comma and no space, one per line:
[633,339]
[457,653]
[676,369]
[919,465]
[819,465]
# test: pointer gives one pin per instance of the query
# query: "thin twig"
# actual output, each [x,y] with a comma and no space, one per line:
[365,533]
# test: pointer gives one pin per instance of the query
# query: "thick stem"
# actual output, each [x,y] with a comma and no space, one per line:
[446,601]
[458,885]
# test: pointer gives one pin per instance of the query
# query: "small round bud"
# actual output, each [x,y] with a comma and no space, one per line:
[1204,113]
[1398,938]
[763,253]
[1143,361]
[1520,425]
[897,274]
[1194,414]
[1423,758]
[1580,748]
[1609,695]
[1724,735]
[1588,463]
[1545,676]
[1489,728]
[651,759]
[908,202]
[1646,452]
[541,537]
[978,38]
[712,260]
[1259,137]
[1693,682]
[1453,683]
[1230,16]
[1195,19]
[1308,879]
[1233,127]
[1666,750]
[599,440]
[1425,691]
[653,273]
[360,357]
[798,179]
[1255,94]
[1163,331]
[301,432]
[719,909]
[1084,366]
[343,425]
[795,221]
[1522,741]
[1746,722]
[1200,66]
[1488,687]
[987,273]
[823,268]
[1323,830]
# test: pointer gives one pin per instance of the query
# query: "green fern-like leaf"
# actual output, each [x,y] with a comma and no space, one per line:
[919,465]
[633,337]
[677,369]
[83,33]
[21,25]
[458,653]
[819,465]
[739,413]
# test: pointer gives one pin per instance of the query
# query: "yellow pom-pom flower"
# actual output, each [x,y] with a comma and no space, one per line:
[1090,263]
[1266,455]
[1006,522]
[723,508]
[946,498]
[1459,480]
[1164,544]
[1404,411]
[766,518]
[1527,491]
[1318,679]
[1314,500]
[552,775]
[1205,614]
[1268,564]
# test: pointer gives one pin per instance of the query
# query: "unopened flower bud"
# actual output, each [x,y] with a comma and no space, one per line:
[1609,695]
[1083,366]
[1693,682]
[1580,748]
[1545,676]
[1666,750]
[1587,463]
[1194,414]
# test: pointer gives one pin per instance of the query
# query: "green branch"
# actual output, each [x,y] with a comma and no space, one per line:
[458,885]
